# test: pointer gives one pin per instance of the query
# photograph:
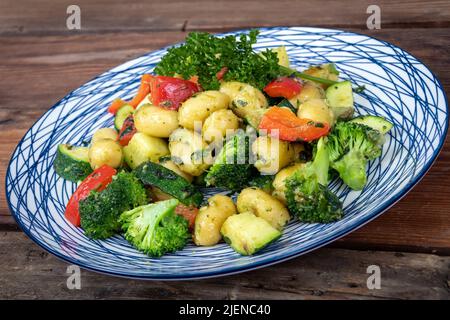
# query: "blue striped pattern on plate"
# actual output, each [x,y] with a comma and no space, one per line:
[398,87]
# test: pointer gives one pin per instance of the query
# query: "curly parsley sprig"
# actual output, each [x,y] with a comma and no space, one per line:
[204,55]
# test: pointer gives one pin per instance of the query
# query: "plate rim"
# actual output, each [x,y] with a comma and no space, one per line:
[269,261]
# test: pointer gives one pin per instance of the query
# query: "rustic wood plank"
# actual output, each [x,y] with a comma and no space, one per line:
[49,67]
[325,274]
[101,15]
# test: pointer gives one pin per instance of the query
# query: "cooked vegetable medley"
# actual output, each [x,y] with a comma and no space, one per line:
[217,114]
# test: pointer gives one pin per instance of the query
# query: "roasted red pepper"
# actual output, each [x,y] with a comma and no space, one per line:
[188,212]
[127,131]
[97,180]
[291,128]
[284,87]
[169,92]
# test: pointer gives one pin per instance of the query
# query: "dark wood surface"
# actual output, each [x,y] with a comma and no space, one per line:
[41,61]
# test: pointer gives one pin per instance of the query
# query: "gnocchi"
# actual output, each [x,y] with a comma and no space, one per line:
[105,151]
[246,101]
[188,151]
[210,219]
[156,121]
[264,206]
[279,183]
[197,108]
[316,110]
[218,124]
[273,154]
[104,133]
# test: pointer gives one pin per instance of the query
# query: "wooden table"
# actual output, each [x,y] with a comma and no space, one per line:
[41,61]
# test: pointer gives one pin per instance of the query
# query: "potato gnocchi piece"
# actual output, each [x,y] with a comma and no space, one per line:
[273,154]
[210,219]
[197,108]
[264,206]
[105,151]
[279,183]
[189,151]
[104,133]
[156,121]
[218,124]
[246,101]
[309,91]
[316,110]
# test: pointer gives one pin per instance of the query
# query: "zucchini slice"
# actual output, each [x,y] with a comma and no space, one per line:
[72,163]
[169,182]
[247,233]
[142,148]
[340,98]
[374,122]
[121,115]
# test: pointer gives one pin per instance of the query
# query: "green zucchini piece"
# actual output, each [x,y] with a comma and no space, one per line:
[285,103]
[121,115]
[72,163]
[340,98]
[167,181]
[374,122]
[247,233]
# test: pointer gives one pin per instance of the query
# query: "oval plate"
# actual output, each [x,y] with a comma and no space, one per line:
[398,87]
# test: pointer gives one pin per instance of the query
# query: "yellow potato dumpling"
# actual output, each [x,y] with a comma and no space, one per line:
[217,124]
[279,183]
[194,111]
[187,146]
[105,151]
[309,91]
[316,110]
[263,205]
[246,101]
[104,133]
[210,219]
[273,154]
[155,121]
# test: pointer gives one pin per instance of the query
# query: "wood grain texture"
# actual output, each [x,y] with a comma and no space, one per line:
[54,65]
[325,274]
[46,16]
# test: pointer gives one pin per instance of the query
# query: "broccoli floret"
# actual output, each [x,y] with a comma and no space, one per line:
[232,169]
[263,182]
[351,146]
[307,193]
[100,211]
[155,228]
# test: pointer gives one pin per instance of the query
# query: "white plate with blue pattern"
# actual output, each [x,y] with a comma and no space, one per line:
[398,87]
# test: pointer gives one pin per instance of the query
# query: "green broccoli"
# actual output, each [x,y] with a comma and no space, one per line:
[100,211]
[307,193]
[351,146]
[263,182]
[232,169]
[155,228]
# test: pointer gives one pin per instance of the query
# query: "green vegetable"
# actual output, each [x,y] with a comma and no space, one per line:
[72,163]
[307,193]
[377,123]
[121,115]
[340,99]
[247,233]
[263,182]
[100,211]
[155,228]
[351,145]
[204,55]
[232,169]
[287,104]
[167,181]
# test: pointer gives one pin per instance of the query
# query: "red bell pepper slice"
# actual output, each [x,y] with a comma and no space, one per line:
[188,212]
[116,105]
[283,87]
[127,131]
[170,92]
[143,91]
[97,180]
[290,127]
